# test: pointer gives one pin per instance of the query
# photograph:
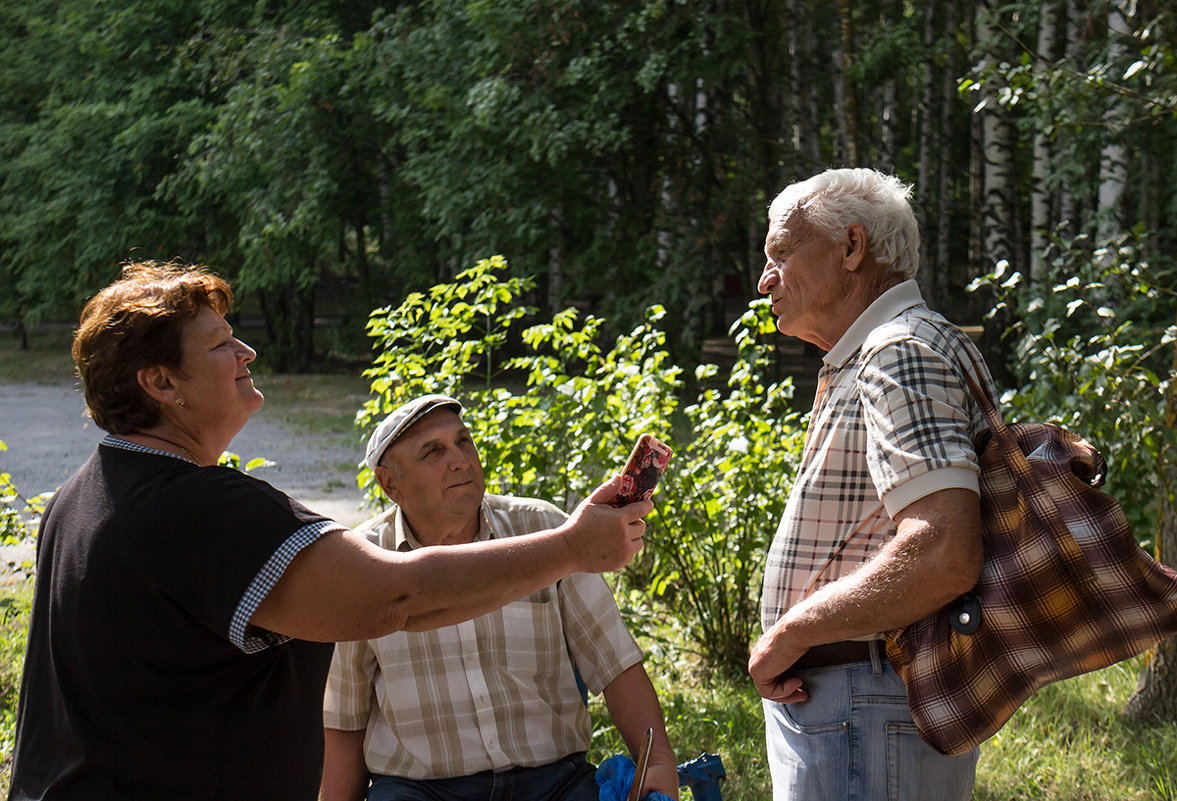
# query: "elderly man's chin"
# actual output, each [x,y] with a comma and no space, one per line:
[783,325]
[470,493]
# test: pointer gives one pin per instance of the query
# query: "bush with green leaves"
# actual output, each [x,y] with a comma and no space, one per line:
[19,515]
[1093,351]
[12,527]
[18,524]
[555,413]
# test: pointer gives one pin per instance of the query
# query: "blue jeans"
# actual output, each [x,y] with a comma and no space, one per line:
[572,778]
[854,740]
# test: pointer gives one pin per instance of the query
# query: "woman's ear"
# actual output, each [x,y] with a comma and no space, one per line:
[157,383]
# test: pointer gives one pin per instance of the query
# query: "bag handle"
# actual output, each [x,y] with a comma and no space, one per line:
[988,408]
[1029,488]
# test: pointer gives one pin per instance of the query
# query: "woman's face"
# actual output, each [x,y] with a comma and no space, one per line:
[219,396]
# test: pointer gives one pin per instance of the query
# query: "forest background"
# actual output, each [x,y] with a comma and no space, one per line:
[333,158]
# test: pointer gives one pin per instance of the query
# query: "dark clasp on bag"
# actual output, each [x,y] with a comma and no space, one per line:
[965,613]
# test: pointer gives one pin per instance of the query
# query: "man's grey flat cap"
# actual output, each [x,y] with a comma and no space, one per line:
[400,420]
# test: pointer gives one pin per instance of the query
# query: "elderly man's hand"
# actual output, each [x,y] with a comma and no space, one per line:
[604,538]
[771,658]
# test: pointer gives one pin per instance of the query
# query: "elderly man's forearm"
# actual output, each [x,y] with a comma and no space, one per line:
[935,556]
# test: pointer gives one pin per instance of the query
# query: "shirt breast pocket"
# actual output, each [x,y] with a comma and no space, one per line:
[533,635]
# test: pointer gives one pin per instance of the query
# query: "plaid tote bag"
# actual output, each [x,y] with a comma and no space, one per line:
[1065,589]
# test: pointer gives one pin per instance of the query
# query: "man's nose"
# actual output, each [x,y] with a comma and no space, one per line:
[768,278]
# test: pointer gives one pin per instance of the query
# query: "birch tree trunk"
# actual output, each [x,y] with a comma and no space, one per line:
[845,92]
[1041,190]
[947,166]
[929,166]
[997,143]
[803,119]
[1069,210]
[888,106]
[997,202]
[555,259]
[1112,168]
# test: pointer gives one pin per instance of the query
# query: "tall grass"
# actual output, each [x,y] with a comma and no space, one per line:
[1069,742]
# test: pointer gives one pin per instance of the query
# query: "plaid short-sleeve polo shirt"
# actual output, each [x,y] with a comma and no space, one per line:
[893,422]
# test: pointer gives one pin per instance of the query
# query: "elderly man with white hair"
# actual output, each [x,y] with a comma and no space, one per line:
[882,526]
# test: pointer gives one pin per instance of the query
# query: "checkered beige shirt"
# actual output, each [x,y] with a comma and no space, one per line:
[492,693]
[893,422]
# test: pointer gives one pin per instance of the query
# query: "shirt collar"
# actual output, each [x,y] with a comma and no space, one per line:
[114,441]
[885,307]
[393,532]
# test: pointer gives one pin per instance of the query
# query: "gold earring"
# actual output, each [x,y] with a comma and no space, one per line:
[180,402]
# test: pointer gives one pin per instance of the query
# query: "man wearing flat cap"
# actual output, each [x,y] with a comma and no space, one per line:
[488,708]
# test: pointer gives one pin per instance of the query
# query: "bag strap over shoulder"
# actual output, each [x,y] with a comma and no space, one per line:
[981,396]
[1030,488]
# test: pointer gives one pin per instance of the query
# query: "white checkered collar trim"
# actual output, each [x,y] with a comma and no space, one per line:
[112,441]
[886,307]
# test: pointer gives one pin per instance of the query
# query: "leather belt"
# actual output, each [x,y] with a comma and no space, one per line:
[837,653]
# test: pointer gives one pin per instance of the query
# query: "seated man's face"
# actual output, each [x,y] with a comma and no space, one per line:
[434,474]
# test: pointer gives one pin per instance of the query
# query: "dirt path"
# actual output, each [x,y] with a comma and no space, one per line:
[48,437]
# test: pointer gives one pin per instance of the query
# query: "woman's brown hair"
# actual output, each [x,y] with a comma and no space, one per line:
[136,322]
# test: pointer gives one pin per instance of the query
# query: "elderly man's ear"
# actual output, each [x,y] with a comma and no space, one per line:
[854,247]
[384,478]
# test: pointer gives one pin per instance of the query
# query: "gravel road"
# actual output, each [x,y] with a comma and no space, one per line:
[49,436]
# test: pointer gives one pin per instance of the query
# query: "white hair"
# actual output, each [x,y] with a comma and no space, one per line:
[833,200]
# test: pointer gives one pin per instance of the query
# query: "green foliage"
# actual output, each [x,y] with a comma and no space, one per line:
[271,162]
[1105,91]
[620,152]
[453,339]
[19,516]
[726,493]
[87,127]
[1093,352]
[230,459]
[576,416]
[15,602]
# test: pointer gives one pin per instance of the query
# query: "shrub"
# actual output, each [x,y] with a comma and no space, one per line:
[19,516]
[1093,351]
[559,416]
[18,524]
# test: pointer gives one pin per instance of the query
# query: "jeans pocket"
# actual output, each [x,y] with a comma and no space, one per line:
[899,767]
[806,717]
[915,771]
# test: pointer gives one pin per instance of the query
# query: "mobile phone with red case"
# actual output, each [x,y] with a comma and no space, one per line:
[647,462]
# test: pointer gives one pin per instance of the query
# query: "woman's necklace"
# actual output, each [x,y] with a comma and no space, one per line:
[189,454]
